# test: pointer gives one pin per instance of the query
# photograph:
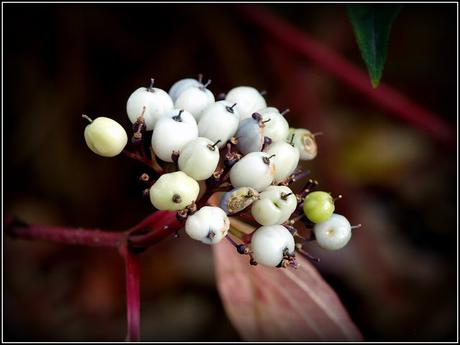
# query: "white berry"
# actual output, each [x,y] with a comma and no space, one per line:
[255,170]
[199,158]
[172,132]
[269,244]
[174,191]
[156,102]
[249,100]
[181,85]
[286,159]
[219,121]
[208,225]
[275,205]
[304,141]
[194,100]
[105,137]
[334,233]
[276,126]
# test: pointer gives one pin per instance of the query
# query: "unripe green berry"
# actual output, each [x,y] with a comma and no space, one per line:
[318,206]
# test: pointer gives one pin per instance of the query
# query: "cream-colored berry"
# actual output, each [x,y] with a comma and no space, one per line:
[286,159]
[249,100]
[255,170]
[194,99]
[105,137]
[275,205]
[276,126]
[304,141]
[270,243]
[199,158]
[219,121]
[209,225]
[334,233]
[174,191]
[172,132]
[152,102]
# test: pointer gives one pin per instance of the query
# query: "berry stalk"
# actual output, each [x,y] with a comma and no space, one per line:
[162,224]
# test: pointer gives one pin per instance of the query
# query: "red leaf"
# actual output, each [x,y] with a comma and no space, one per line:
[274,304]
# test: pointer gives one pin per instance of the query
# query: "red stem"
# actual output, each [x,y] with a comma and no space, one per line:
[133,301]
[388,98]
[86,237]
[161,227]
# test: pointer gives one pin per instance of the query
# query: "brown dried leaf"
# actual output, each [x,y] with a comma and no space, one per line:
[272,304]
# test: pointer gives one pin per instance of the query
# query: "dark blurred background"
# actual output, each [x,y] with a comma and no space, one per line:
[397,277]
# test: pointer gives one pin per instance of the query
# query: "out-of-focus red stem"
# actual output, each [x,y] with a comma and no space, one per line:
[388,98]
[85,237]
[133,300]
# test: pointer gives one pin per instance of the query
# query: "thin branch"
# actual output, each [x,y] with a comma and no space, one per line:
[75,236]
[160,228]
[147,223]
[386,97]
[149,231]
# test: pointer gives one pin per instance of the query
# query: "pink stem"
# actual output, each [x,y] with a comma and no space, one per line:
[133,301]
[388,98]
[85,237]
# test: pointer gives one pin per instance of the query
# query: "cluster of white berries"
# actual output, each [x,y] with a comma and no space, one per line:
[237,145]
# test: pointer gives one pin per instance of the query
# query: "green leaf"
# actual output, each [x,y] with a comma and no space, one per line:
[372,25]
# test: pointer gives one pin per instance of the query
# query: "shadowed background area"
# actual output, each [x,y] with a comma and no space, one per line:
[397,277]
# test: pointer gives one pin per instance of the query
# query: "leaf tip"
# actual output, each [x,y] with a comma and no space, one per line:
[375,83]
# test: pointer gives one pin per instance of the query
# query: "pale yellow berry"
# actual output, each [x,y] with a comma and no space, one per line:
[174,191]
[105,137]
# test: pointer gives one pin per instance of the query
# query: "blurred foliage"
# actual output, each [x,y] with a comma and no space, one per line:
[397,277]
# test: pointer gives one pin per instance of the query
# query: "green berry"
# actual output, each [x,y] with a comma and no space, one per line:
[318,206]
